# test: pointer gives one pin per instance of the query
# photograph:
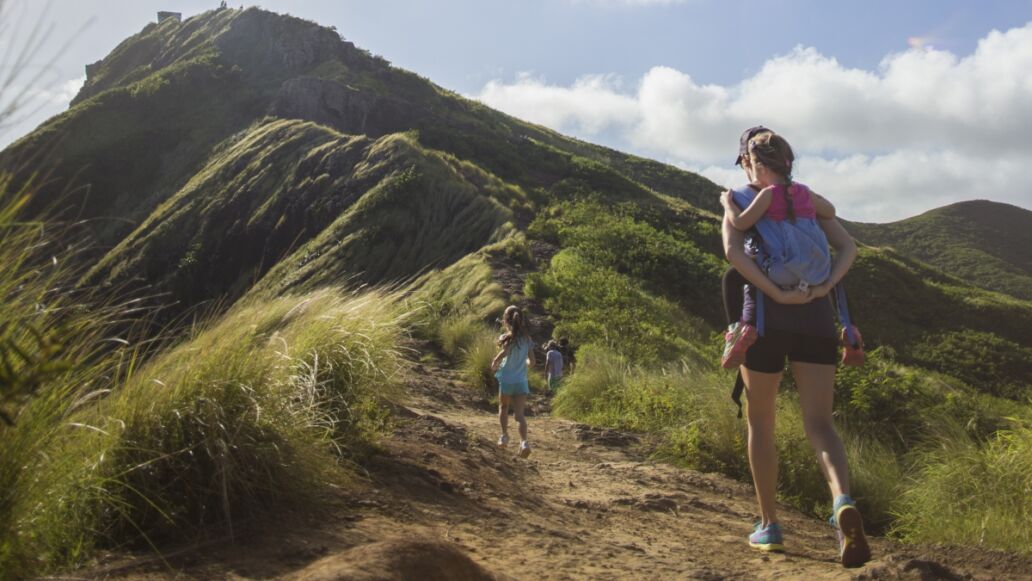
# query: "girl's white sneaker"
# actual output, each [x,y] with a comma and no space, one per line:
[503,440]
[524,449]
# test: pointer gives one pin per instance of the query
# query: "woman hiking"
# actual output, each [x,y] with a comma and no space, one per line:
[798,325]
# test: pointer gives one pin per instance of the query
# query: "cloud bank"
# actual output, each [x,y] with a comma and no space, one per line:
[925,129]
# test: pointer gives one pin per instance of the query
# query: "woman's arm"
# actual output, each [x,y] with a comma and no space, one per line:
[734,241]
[745,219]
[825,209]
[845,253]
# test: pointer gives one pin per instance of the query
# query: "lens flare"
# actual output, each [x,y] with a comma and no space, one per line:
[919,41]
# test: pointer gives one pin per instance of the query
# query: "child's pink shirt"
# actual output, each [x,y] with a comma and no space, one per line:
[802,203]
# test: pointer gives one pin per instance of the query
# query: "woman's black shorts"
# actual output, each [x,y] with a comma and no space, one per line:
[768,353]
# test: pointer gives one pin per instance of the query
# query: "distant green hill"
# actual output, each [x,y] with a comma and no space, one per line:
[987,244]
[242,151]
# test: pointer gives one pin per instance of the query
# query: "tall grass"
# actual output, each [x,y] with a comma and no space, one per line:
[470,344]
[58,352]
[690,409]
[256,410]
[967,493]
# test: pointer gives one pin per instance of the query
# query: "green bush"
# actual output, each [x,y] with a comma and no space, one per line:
[995,365]
[600,305]
[666,259]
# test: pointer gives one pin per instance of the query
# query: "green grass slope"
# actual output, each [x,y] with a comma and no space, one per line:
[987,244]
[317,208]
[153,111]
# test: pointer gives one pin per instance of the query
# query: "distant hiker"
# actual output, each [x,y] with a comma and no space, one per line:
[797,324]
[510,366]
[567,352]
[553,365]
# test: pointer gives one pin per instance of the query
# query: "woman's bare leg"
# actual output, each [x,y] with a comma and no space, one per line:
[816,395]
[762,392]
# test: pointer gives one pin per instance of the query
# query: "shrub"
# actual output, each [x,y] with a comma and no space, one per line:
[599,305]
[664,257]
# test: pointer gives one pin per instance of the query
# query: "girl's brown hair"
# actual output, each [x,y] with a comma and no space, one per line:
[515,326]
[773,151]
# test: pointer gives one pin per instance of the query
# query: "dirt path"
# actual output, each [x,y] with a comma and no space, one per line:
[587,504]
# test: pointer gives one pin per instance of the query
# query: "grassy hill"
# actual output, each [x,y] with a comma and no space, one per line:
[260,163]
[987,244]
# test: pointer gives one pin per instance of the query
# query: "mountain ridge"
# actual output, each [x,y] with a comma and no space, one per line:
[984,242]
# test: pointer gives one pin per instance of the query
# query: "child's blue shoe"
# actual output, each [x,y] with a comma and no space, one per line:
[767,538]
[849,526]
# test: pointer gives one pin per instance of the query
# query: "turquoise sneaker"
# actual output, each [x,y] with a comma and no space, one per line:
[767,538]
[849,526]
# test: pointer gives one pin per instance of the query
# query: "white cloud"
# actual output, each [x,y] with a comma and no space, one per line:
[593,103]
[61,94]
[26,109]
[925,129]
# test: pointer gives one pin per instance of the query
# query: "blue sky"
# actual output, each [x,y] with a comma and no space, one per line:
[676,80]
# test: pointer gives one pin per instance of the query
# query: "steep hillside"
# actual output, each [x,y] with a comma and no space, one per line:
[317,205]
[152,113]
[987,244]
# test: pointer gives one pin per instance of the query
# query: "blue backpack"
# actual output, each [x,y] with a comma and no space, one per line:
[792,252]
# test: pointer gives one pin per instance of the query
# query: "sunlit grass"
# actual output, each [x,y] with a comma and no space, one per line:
[971,494]
[253,412]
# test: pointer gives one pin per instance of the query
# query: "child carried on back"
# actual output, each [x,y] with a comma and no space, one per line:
[794,251]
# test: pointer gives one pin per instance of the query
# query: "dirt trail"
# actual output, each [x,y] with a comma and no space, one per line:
[587,504]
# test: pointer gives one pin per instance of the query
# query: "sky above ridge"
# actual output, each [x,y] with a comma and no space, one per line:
[893,107]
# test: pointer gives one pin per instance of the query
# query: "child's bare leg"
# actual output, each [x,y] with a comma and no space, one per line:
[503,412]
[519,402]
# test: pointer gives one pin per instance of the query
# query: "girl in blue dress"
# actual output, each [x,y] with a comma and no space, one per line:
[510,366]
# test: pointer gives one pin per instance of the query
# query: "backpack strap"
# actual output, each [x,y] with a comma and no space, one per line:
[843,313]
[761,320]
[736,393]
